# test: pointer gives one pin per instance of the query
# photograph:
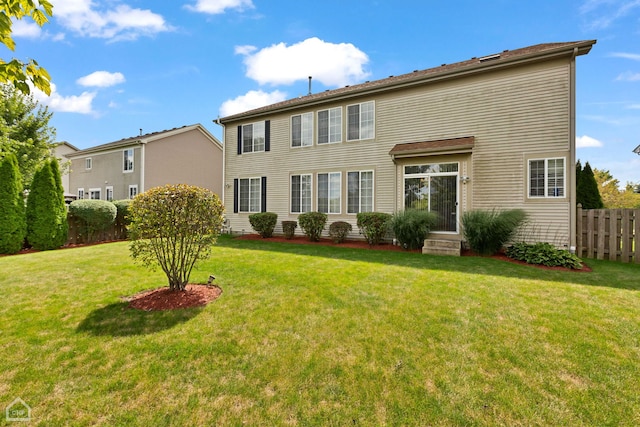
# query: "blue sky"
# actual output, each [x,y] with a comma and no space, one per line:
[119,66]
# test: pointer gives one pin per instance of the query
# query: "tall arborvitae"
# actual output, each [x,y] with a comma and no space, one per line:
[587,192]
[46,209]
[13,226]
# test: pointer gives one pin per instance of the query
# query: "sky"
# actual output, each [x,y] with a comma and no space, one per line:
[118,66]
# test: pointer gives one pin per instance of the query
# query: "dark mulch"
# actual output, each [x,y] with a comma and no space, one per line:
[195,295]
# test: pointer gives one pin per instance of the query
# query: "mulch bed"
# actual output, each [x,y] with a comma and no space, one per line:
[195,295]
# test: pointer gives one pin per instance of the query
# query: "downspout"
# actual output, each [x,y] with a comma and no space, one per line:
[224,157]
[142,172]
[573,211]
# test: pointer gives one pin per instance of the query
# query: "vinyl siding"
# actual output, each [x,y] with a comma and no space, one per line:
[512,113]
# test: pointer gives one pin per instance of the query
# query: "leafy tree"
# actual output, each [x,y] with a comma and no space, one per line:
[47,226]
[174,226]
[612,196]
[587,192]
[24,131]
[17,72]
[13,226]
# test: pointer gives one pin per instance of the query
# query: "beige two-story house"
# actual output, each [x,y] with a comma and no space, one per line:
[124,168]
[496,131]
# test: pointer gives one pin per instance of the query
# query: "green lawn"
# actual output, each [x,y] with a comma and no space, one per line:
[312,335]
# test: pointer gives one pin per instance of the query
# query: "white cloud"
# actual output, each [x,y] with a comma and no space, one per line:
[625,55]
[101,79]
[244,50]
[628,76]
[119,23]
[21,28]
[215,7]
[634,107]
[329,63]
[66,104]
[603,13]
[250,100]
[585,141]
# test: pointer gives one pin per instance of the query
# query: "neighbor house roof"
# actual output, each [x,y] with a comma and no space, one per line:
[503,59]
[144,139]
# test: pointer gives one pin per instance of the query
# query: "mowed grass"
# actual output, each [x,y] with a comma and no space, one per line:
[312,335]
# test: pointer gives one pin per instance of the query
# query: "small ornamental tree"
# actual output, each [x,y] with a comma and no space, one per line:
[47,226]
[174,227]
[13,226]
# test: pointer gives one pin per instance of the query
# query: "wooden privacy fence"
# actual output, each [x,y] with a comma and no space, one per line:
[78,232]
[610,234]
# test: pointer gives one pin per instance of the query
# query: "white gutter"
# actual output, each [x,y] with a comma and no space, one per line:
[224,156]
[573,209]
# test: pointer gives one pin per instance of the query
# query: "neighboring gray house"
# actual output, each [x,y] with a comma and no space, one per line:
[122,169]
[61,151]
[496,131]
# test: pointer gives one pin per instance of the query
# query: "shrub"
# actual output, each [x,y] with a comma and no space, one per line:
[486,232]
[174,227]
[46,212]
[95,216]
[263,223]
[339,230]
[13,225]
[373,225]
[412,226]
[289,228]
[122,217]
[544,254]
[312,224]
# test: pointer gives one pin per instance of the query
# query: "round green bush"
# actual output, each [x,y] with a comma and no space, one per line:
[312,224]
[339,230]
[263,223]
[289,228]
[374,225]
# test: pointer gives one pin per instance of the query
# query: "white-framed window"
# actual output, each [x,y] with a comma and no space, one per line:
[330,126]
[329,192]
[301,193]
[80,193]
[249,194]
[359,192]
[361,121]
[94,193]
[547,178]
[133,191]
[302,130]
[127,157]
[109,193]
[88,163]
[253,137]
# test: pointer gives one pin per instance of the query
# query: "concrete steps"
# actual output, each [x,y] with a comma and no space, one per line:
[442,247]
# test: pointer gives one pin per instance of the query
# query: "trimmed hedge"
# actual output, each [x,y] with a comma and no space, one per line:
[289,228]
[374,226]
[96,216]
[312,224]
[412,226]
[122,211]
[13,225]
[339,230]
[263,223]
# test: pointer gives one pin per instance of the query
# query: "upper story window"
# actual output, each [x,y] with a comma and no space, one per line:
[127,157]
[361,121]
[301,193]
[88,163]
[547,178]
[330,125]
[302,130]
[253,137]
[329,192]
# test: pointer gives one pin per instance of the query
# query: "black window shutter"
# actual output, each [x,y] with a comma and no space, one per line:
[239,139]
[235,195]
[267,135]
[263,194]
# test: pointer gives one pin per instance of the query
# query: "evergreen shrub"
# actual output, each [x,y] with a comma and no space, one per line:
[339,230]
[263,223]
[312,224]
[373,225]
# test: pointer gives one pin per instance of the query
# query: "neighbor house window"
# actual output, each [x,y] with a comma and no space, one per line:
[359,192]
[94,193]
[249,195]
[547,178]
[253,137]
[127,156]
[360,121]
[109,192]
[80,193]
[133,191]
[330,126]
[302,130]
[301,193]
[88,163]
[329,197]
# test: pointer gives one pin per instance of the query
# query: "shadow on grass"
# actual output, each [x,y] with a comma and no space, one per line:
[119,320]
[605,273]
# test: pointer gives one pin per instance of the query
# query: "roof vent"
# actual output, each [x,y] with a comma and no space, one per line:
[489,57]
